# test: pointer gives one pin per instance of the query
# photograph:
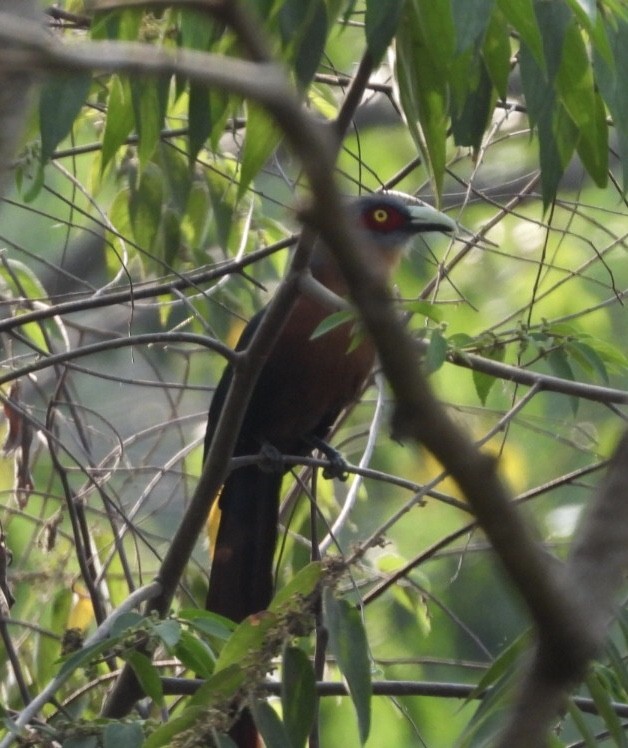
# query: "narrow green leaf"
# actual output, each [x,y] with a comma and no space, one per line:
[219,687]
[60,102]
[147,675]
[602,699]
[120,119]
[425,48]
[333,321]
[303,28]
[471,18]
[199,119]
[589,739]
[348,643]
[261,139]
[586,11]
[496,52]
[145,206]
[246,640]
[298,695]
[165,734]
[122,735]
[469,124]
[520,14]
[302,584]
[147,108]
[380,22]
[271,728]
[556,133]
[611,80]
[575,86]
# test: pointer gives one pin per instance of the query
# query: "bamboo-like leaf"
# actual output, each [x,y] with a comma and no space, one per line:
[298,695]
[60,102]
[271,728]
[380,25]
[261,139]
[120,119]
[347,641]
[147,675]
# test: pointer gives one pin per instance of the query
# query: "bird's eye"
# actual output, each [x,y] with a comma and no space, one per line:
[383,219]
[380,215]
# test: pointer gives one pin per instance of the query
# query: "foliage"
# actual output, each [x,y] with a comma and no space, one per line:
[159,206]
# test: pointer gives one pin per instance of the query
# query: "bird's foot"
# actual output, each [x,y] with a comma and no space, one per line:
[271,459]
[337,467]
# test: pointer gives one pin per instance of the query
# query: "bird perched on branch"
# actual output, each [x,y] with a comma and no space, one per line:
[303,386]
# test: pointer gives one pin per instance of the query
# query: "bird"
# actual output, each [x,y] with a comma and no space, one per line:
[304,384]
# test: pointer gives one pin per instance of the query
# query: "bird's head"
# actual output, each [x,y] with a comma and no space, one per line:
[392,220]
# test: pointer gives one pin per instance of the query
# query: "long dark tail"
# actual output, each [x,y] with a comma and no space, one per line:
[241,578]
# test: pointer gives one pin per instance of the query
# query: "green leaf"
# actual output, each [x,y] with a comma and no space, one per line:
[169,631]
[497,687]
[302,584]
[147,108]
[195,654]
[199,118]
[60,102]
[348,643]
[380,24]
[611,80]
[126,623]
[165,734]
[471,18]
[219,687]
[484,382]
[556,133]
[333,321]
[246,640]
[424,309]
[304,30]
[122,735]
[208,623]
[147,675]
[436,351]
[469,124]
[145,206]
[298,695]
[560,366]
[575,86]
[120,119]
[260,141]
[496,52]
[601,697]
[588,358]
[269,725]
[580,721]
[425,48]
[520,14]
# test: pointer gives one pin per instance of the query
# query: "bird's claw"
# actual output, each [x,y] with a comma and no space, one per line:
[271,459]
[337,467]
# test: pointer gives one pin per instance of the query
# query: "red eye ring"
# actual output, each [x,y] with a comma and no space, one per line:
[383,219]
